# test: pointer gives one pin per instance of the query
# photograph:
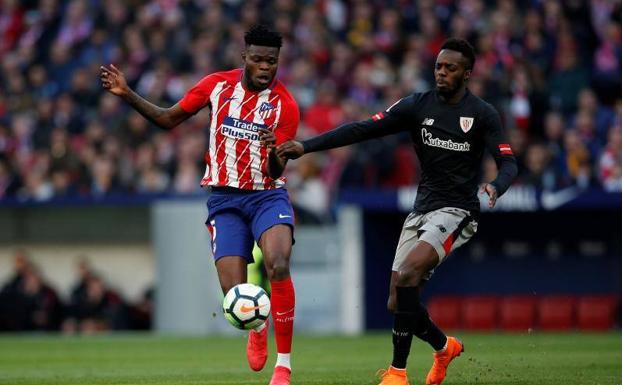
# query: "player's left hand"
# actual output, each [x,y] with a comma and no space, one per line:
[492,194]
[267,138]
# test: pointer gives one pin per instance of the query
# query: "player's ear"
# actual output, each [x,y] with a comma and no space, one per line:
[467,75]
[243,55]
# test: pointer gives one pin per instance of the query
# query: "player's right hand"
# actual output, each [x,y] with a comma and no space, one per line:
[491,190]
[290,150]
[113,80]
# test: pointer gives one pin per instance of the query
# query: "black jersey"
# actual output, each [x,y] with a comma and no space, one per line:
[449,140]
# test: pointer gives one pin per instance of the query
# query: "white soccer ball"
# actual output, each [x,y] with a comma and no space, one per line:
[246,306]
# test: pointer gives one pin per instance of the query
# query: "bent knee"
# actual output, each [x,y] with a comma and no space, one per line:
[278,269]
[410,277]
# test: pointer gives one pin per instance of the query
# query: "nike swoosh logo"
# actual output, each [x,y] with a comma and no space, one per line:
[246,309]
[284,312]
[281,216]
[553,200]
[230,99]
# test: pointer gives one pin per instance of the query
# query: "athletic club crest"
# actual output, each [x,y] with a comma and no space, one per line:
[466,123]
[266,109]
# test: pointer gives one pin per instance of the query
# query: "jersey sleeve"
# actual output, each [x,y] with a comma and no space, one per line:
[498,145]
[288,126]
[395,119]
[198,96]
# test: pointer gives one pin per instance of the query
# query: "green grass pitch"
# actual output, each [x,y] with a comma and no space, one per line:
[490,359]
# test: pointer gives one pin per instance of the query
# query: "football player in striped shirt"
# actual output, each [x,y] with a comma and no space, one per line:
[251,112]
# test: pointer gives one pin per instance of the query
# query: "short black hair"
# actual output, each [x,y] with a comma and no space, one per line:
[462,46]
[263,36]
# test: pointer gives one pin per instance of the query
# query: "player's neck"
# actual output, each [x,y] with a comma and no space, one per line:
[454,98]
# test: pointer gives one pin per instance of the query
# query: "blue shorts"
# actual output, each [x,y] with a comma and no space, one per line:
[236,218]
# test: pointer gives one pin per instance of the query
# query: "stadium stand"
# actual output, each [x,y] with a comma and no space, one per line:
[446,311]
[556,313]
[480,312]
[517,313]
[597,312]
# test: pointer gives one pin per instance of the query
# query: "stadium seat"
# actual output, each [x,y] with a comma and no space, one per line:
[479,313]
[556,313]
[597,312]
[445,311]
[517,313]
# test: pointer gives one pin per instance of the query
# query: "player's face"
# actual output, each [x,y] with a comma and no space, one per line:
[260,64]
[450,71]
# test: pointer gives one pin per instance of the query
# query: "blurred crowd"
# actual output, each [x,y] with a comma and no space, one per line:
[552,68]
[29,303]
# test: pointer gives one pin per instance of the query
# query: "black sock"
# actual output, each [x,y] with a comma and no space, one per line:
[404,320]
[427,330]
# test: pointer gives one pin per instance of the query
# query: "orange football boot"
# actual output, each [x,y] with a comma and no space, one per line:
[393,376]
[437,373]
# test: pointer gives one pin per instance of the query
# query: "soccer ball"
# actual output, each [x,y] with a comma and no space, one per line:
[246,306]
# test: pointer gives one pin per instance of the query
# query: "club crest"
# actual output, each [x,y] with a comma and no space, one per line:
[466,123]
[266,109]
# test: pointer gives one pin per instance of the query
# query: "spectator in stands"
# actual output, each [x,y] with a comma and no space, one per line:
[40,303]
[554,127]
[326,112]
[308,193]
[141,314]
[611,160]
[21,265]
[9,184]
[569,75]
[26,302]
[602,116]
[102,309]
[77,296]
[578,170]
[538,170]
[93,307]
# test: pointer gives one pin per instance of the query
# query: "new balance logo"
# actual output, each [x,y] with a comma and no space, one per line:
[427,122]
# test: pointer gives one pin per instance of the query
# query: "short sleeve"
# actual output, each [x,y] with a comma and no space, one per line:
[198,96]
[288,125]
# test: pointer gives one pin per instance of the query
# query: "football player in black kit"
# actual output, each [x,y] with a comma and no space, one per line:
[450,128]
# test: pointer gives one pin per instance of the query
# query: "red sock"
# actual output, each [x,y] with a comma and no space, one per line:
[283,302]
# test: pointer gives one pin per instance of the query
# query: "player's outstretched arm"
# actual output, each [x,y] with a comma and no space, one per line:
[114,81]
[395,119]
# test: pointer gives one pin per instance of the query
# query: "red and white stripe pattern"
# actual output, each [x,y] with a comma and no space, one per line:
[505,149]
[232,160]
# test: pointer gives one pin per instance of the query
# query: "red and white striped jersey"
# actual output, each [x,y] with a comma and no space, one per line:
[235,157]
